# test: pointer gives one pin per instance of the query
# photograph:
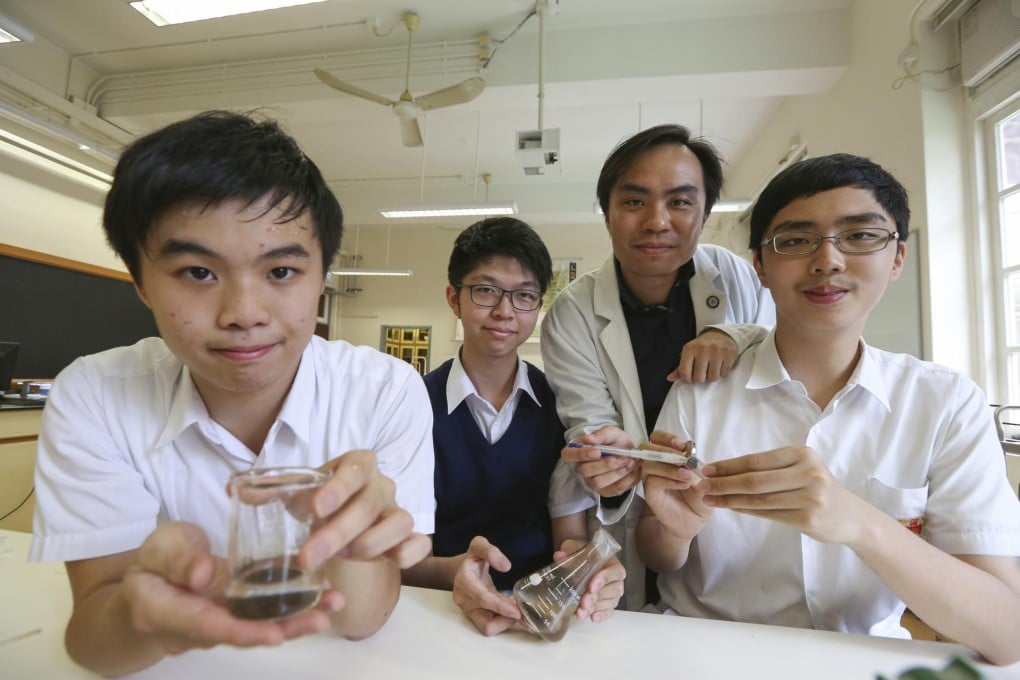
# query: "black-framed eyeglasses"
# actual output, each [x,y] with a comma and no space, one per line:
[487,295]
[855,241]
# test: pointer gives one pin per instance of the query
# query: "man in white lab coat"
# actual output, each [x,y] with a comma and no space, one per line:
[615,339]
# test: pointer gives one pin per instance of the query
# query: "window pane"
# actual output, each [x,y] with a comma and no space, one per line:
[1011,230]
[1013,309]
[1013,378]
[1008,136]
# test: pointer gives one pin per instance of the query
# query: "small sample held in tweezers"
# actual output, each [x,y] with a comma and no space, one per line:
[686,459]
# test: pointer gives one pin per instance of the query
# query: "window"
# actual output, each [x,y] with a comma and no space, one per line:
[1004,185]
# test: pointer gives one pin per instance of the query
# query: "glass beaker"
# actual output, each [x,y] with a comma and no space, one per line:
[271,518]
[549,597]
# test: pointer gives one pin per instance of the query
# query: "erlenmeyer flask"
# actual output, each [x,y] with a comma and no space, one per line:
[549,597]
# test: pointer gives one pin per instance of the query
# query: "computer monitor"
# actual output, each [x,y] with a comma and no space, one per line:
[8,358]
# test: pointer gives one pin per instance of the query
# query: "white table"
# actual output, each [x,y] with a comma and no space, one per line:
[427,637]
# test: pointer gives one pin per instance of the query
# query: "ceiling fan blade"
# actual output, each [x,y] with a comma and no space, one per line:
[337,84]
[410,132]
[460,93]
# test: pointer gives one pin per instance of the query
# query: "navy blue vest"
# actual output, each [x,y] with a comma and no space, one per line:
[499,491]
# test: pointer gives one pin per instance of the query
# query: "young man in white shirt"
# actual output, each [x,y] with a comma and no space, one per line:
[843,483]
[497,438]
[227,229]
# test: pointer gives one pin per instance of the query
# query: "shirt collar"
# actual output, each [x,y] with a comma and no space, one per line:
[459,386]
[768,370]
[683,278]
[187,408]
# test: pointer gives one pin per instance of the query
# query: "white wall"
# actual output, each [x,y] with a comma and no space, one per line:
[862,114]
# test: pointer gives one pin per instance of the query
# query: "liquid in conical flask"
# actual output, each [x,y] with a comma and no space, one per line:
[549,597]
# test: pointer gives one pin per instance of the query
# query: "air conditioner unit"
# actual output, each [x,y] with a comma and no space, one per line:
[539,150]
[989,39]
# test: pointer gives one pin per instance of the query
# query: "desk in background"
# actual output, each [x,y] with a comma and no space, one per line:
[428,638]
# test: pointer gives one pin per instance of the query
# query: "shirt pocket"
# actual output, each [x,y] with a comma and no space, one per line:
[905,505]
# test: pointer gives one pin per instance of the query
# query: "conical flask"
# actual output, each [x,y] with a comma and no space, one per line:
[549,597]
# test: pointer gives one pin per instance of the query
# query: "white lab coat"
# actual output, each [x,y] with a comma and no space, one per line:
[589,362]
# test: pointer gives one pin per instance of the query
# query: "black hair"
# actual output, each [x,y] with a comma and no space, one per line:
[627,151]
[207,159]
[815,175]
[499,237]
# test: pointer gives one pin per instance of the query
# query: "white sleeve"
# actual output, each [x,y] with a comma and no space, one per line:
[91,499]
[405,450]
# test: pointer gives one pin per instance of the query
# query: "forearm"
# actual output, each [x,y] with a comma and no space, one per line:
[660,550]
[960,600]
[433,572]
[569,527]
[101,638]
[370,588]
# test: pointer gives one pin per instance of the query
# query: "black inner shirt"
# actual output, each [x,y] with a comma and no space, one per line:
[657,334]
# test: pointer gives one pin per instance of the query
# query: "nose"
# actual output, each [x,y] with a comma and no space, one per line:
[242,306]
[828,258]
[504,307]
[656,217]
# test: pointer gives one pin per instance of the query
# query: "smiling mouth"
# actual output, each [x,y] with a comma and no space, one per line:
[244,353]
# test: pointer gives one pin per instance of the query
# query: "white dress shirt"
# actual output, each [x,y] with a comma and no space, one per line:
[914,439]
[493,424]
[126,442]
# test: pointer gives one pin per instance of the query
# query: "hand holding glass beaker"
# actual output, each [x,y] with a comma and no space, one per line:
[549,597]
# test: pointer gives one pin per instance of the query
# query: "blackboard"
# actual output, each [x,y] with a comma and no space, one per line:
[59,312]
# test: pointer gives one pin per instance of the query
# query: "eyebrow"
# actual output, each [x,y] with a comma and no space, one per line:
[683,189]
[175,247]
[487,280]
[855,220]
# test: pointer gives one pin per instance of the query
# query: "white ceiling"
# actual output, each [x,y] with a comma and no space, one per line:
[611,67]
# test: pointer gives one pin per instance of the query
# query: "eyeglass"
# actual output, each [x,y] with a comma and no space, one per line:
[485,295]
[855,241]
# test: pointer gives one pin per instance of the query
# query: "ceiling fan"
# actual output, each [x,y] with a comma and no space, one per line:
[407,107]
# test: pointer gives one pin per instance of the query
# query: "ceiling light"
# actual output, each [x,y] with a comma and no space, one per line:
[354,271]
[11,32]
[166,12]
[466,210]
[730,206]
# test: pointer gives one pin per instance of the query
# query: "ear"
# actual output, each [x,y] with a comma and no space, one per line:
[453,299]
[898,261]
[759,269]
[141,295]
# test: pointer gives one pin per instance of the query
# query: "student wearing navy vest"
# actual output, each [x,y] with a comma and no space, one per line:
[497,437]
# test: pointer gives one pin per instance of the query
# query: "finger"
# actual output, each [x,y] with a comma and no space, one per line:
[382,532]
[355,516]
[179,552]
[666,440]
[488,623]
[572,454]
[350,473]
[305,623]
[767,460]
[616,482]
[411,551]
[480,548]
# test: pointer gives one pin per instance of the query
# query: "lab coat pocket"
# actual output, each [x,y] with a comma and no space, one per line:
[905,505]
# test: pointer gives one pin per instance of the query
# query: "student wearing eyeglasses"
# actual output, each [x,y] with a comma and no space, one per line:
[497,438]
[843,483]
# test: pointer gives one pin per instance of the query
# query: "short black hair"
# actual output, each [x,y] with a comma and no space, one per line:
[824,173]
[210,158]
[627,151]
[499,237]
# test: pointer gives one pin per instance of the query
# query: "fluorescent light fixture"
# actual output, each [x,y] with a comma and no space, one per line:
[166,12]
[371,272]
[467,210]
[11,32]
[730,206]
